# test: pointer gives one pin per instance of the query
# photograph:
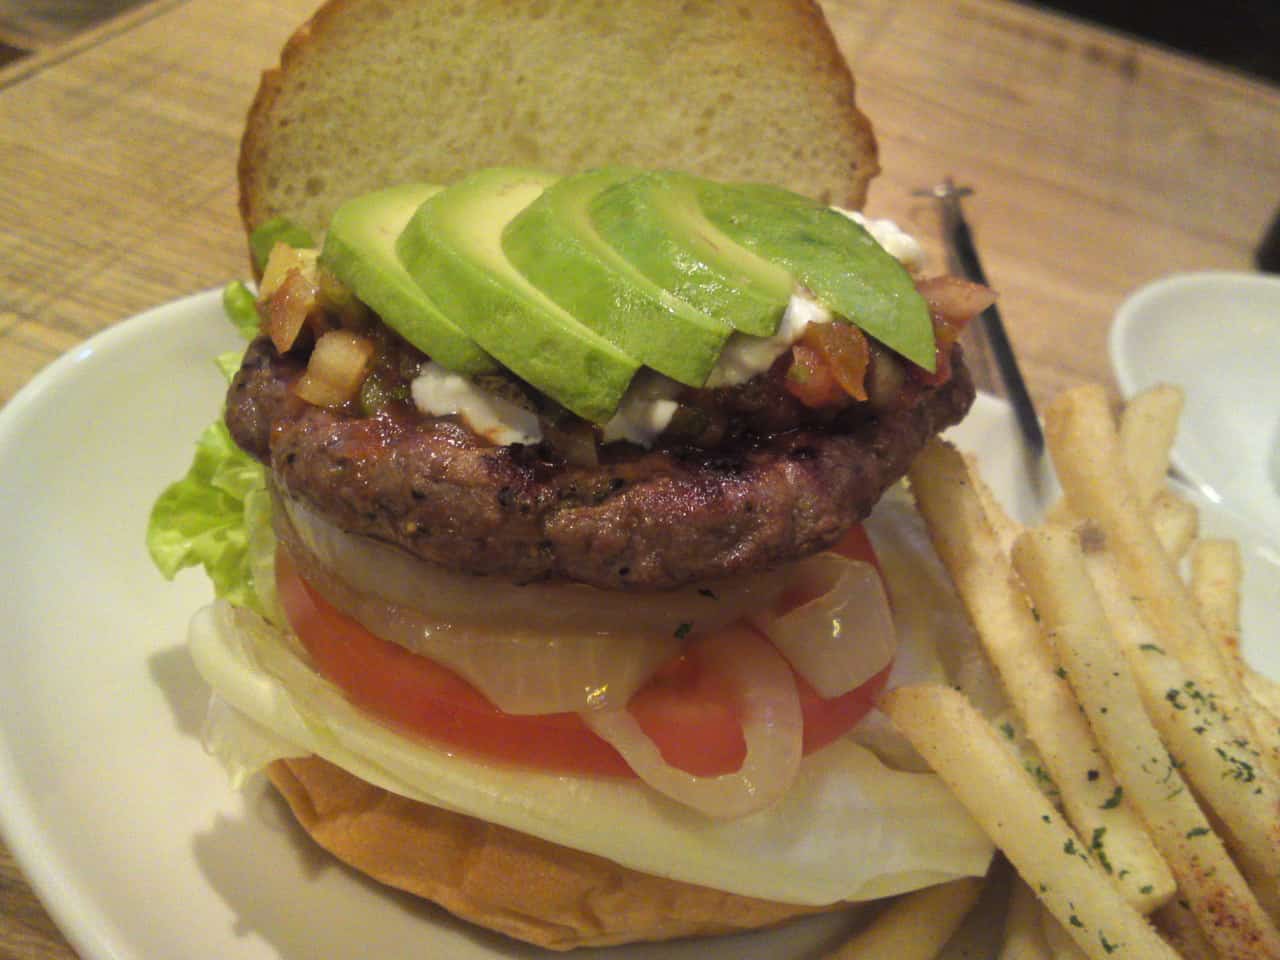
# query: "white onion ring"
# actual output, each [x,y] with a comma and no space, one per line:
[376,568]
[520,670]
[844,635]
[772,725]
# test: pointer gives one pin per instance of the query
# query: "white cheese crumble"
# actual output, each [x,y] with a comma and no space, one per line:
[439,392]
[745,356]
[649,404]
[645,411]
[900,245]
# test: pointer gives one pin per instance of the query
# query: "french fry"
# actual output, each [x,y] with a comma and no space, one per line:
[1215,749]
[1216,573]
[1023,936]
[968,756]
[1085,448]
[1263,692]
[1059,514]
[998,608]
[1060,944]
[1148,426]
[916,926]
[1015,738]
[1175,522]
[1053,568]
[1177,924]
[1087,456]
[1262,702]
[1006,528]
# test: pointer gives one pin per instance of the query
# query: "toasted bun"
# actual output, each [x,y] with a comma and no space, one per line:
[501,879]
[374,92]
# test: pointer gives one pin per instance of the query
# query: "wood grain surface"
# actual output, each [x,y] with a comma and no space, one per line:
[1098,164]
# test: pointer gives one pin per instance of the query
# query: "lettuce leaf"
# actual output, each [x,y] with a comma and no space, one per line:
[850,828]
[218,515]
[201,519]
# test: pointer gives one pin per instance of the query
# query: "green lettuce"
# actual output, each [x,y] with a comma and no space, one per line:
[218,515]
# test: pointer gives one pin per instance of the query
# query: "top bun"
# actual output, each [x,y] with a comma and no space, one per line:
[374,92]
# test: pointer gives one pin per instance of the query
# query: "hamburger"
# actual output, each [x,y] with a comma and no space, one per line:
[543,587]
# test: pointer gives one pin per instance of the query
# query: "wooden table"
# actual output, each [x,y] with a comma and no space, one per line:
[1098,164]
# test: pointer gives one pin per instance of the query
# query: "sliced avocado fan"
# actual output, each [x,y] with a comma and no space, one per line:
[655,223]
[836,258]
[452,247]
[360,250]
[574,283]
[555,244]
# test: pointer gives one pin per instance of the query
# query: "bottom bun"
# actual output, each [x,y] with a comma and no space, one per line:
[499,878]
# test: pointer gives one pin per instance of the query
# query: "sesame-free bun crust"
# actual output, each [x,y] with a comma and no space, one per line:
[370,93]
[501,879]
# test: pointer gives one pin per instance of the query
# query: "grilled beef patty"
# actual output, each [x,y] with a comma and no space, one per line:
[639,519]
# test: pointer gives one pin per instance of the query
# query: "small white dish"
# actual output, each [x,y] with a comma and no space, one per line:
[1218,336]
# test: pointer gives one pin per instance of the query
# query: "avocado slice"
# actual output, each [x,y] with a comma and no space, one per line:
[654,221]
[554,243]
[360,250]
[452,247]
[833,256]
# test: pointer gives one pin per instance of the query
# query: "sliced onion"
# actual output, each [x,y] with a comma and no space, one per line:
[286,308]
[376,568]
[284,260]
[955,299]
[772,725]
[338,366]
[841,637]
[520,669]
[288,293]
[847,354]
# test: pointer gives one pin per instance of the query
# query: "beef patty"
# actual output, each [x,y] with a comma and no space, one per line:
[639,519]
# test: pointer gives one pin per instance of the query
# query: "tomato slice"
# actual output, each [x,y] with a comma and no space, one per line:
[687,712]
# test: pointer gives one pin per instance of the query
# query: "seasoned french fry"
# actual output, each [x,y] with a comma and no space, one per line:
[1086,453]
[1059,514]
[1262,691]
[1006,528]
[916,926]
[1175,522]
[1053,568]
[1023,936]
[1262,704]
[1216,573]
[1215,749]
[1148,426]
[1015,738]
[967,754]
[1060,944]
[1177,924]
[1265,725]
[998,608]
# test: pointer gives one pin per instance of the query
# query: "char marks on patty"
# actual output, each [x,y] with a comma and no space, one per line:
[640,519]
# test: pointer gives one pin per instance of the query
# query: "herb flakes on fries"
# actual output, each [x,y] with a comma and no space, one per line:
[1162,838]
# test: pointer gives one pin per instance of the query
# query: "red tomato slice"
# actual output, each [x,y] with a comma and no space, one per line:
[684,709]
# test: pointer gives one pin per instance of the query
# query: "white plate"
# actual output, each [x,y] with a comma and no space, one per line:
[1218,336]
[127,830]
